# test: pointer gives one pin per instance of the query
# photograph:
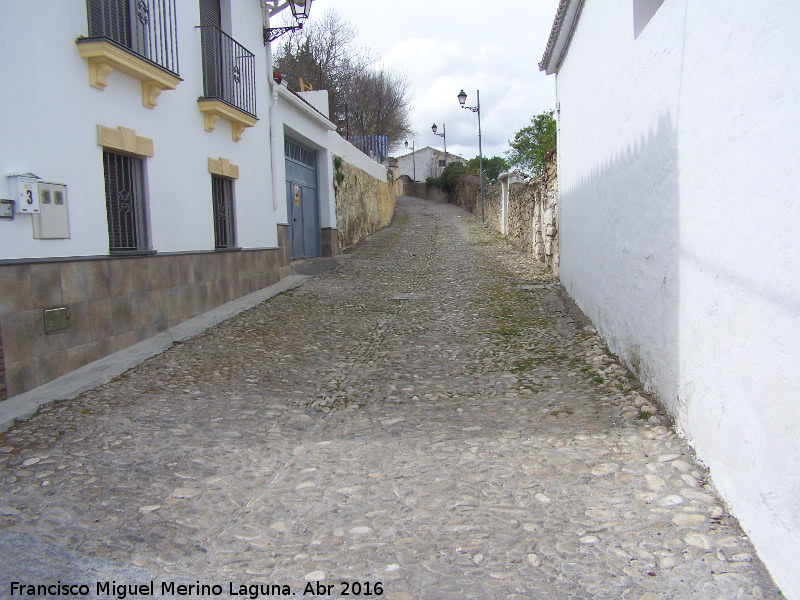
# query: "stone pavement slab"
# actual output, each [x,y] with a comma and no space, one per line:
[432,415]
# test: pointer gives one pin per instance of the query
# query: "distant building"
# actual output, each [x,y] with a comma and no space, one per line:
[425,162]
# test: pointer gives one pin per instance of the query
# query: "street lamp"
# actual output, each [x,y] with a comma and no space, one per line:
[462,99]
[300,12]
[444,136]
[413,157]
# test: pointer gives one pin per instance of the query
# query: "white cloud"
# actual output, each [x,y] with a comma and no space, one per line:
[450,45]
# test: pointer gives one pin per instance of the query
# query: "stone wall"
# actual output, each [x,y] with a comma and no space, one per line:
[2,370]
[468,196]
[533,215]
[404,186]
[115,302]
[363,204]
[532,209]
[545,216]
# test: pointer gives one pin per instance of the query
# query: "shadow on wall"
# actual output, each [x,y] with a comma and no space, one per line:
[619,233]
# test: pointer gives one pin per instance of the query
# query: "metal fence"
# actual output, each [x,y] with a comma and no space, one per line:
[374,146]
[229,70]
[145,27]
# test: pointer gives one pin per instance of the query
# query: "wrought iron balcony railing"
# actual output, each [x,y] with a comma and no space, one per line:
[228,70]
[147,28]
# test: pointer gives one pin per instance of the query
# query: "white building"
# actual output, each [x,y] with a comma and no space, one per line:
[680,228]
[163,173]
[425,162]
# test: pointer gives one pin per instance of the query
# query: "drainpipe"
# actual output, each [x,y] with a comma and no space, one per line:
[276,149]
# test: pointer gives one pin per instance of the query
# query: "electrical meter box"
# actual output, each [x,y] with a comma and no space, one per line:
[24,190]
[52,221]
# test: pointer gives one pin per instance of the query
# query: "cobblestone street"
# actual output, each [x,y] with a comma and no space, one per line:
[431,413]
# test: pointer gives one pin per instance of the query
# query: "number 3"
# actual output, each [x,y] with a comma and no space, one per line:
[30,196]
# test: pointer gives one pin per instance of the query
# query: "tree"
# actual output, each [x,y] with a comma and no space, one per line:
[532,143]
[492,167]
[377,102]
[363,99]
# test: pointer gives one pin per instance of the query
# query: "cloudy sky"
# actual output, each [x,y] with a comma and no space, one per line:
[448,45]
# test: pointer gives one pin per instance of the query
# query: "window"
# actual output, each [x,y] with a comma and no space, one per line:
[298,153]
[228,67]
[229,75]
[126,207]
[222,200]
[442,162]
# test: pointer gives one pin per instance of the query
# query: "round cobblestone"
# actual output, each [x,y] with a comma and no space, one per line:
[433,413]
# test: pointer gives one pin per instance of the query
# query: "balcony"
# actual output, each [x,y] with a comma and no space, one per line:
[229,82]
[134,37]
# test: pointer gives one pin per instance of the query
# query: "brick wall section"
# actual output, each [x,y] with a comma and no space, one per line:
[330,242]
[116,302]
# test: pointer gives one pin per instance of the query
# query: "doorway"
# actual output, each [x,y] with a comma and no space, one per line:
[302,201]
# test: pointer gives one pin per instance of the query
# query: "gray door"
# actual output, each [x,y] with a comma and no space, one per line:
[301,197]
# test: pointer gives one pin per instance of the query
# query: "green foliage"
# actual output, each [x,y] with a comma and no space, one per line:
[337,165]
[532,143]
[447,180]
[492,167]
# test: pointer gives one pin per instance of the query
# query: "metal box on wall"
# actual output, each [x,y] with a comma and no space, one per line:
[52,221]
[24,190]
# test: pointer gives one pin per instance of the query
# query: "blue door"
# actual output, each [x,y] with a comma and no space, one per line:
[303,206]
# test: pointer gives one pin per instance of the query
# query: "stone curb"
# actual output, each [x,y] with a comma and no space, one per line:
[103,370]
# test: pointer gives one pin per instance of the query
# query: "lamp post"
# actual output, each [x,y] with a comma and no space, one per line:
[300,11]
[462,98]
[442,135]
[413,157]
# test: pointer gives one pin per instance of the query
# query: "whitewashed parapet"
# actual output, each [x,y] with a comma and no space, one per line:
[352,155]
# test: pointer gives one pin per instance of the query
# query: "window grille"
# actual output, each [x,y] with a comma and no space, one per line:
[222,198]
[125,202]
[298,153]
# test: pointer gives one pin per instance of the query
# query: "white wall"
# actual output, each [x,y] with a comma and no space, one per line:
[680,232]
[49,128]
[354,156]
[305,125]
[319,100]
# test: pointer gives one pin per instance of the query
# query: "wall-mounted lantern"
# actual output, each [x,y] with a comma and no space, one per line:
[300,11]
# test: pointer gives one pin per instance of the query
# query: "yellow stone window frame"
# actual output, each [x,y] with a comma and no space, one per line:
[124,139]
[223,168]
[104,56]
